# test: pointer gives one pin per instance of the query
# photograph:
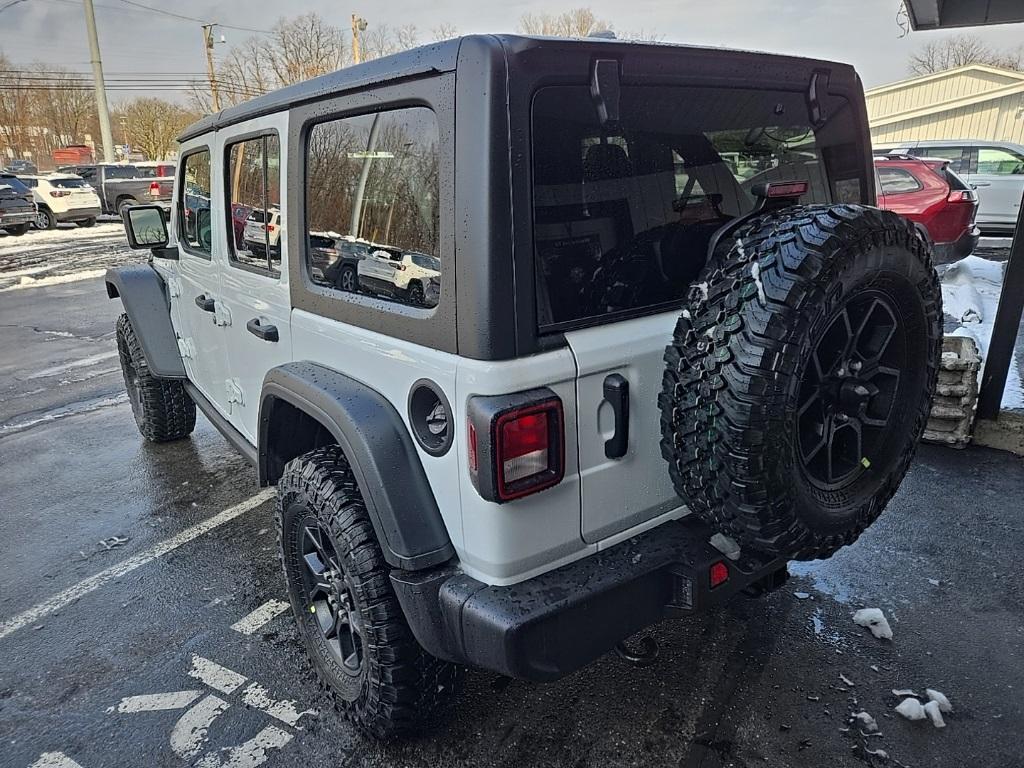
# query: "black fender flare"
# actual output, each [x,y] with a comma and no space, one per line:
[144,295]
[377,444]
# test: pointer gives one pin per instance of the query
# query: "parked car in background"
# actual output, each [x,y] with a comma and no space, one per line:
[994,168]
[151,169]
[61,197]
[17,208]
[933,196]
[239,213]
[21,166]
[262,231]
[402,276]
[120,185]
[74,154]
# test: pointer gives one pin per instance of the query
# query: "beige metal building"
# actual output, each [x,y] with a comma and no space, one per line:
[970,102]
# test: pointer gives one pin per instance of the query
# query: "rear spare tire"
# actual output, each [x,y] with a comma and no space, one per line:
[800,375]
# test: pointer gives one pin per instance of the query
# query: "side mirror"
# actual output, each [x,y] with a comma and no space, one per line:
[145,227]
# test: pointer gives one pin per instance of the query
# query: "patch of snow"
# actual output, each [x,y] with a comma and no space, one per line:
[686,314]
[801,595]
[74,277]
[73,409]
[881,754]
[875,620]
[933,711]
[904,692]
[703,288]
[846,680]
[939,698]
[866,721]
[755,273]
[970,295]
[911,709]
[934,582]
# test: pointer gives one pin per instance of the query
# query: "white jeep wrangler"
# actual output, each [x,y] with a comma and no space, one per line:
[672,345]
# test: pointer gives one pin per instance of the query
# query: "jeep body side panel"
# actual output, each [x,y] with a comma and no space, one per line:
[377,443]
[144,296]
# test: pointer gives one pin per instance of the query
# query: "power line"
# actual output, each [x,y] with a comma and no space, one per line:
[192,18]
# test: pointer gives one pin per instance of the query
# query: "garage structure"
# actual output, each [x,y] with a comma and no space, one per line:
[970,102]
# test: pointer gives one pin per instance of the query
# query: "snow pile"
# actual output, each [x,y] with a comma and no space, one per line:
[970,296]
[933,709]
[875,620]
[32,282]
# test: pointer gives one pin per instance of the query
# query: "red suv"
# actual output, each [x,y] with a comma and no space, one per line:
[931,195]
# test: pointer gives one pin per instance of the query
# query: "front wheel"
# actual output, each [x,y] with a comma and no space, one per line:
[416,296]
[353,627]
[162,408]
[800,377]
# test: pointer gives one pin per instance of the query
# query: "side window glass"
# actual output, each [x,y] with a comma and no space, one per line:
[194,207]
[955,155]
[255,227]
[897,181]
[372,206]
[999,162]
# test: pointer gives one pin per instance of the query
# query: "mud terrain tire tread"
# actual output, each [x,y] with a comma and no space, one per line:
[162,408]
[727,401]
[404,688]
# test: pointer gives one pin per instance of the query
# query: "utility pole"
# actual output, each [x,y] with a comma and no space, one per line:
[208,43]
[97,75]
[358,25]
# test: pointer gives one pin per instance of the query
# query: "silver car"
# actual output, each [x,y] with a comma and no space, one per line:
[994,168]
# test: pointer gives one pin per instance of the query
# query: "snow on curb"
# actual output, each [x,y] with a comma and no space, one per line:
[27,281]
[970,295]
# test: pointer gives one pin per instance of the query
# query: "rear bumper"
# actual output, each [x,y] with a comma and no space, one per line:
[13,219]
[78,214]
[959,248]
[551,625]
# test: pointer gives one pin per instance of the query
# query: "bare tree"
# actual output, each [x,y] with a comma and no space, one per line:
[960,50]
[576,22]
[63,109]
[383,40]
[444,32]
[15,106]
[152,125]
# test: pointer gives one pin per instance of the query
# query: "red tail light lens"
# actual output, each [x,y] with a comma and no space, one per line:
[963,196]
[59,193]
[154,189]
[787,188]
[270,227]
[524,448]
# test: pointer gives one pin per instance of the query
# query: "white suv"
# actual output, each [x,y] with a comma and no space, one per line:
[62,197]
[262,230]
[414,277]
[644,383]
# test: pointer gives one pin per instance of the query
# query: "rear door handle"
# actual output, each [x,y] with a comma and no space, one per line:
[206,303]
[262,330]
[616,392]
[981,183]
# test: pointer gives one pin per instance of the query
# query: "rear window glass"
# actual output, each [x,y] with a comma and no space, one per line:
[124,172]
[14,185]
[68,183]
[624,213]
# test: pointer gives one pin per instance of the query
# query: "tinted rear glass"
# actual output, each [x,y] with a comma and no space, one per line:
[623,214]
[68,183]
[123,172]
[12,186]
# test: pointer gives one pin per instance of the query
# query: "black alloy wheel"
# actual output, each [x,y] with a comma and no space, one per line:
[848,390]
[328,595]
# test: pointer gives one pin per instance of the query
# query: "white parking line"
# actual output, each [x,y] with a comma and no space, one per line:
[155,702]
[251,624]
[214,675]
[54,760]
[84,587]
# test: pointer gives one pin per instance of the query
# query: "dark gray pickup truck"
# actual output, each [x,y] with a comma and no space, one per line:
[121,185]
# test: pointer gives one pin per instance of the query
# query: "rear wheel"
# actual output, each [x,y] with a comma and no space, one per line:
[17,229]
[800,377]
[416,294]
[162,408]
[45,219]
[348,281]
[124,205]
[87,222]
[362,648]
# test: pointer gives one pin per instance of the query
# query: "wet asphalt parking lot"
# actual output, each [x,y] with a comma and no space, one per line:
[141,597]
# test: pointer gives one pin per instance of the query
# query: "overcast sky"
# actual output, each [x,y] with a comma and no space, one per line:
[861,32]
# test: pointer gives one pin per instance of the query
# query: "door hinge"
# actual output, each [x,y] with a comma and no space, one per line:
[186,348]
[221,314]
[234,391]
[174,287]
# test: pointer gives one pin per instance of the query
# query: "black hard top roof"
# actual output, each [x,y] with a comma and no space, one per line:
[434,58]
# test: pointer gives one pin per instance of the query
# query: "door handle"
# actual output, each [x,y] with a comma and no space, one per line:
[981,183]
[616,392]
[206,303]
[261,330]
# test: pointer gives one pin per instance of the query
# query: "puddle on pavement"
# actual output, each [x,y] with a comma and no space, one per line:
[825,578]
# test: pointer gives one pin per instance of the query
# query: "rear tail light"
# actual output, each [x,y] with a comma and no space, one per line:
[781,189]
[400,267]
[516,444]
[270,227]
[154,189]
[963,196]
[59,193]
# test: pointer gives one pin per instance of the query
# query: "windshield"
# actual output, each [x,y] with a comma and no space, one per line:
[624,213]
